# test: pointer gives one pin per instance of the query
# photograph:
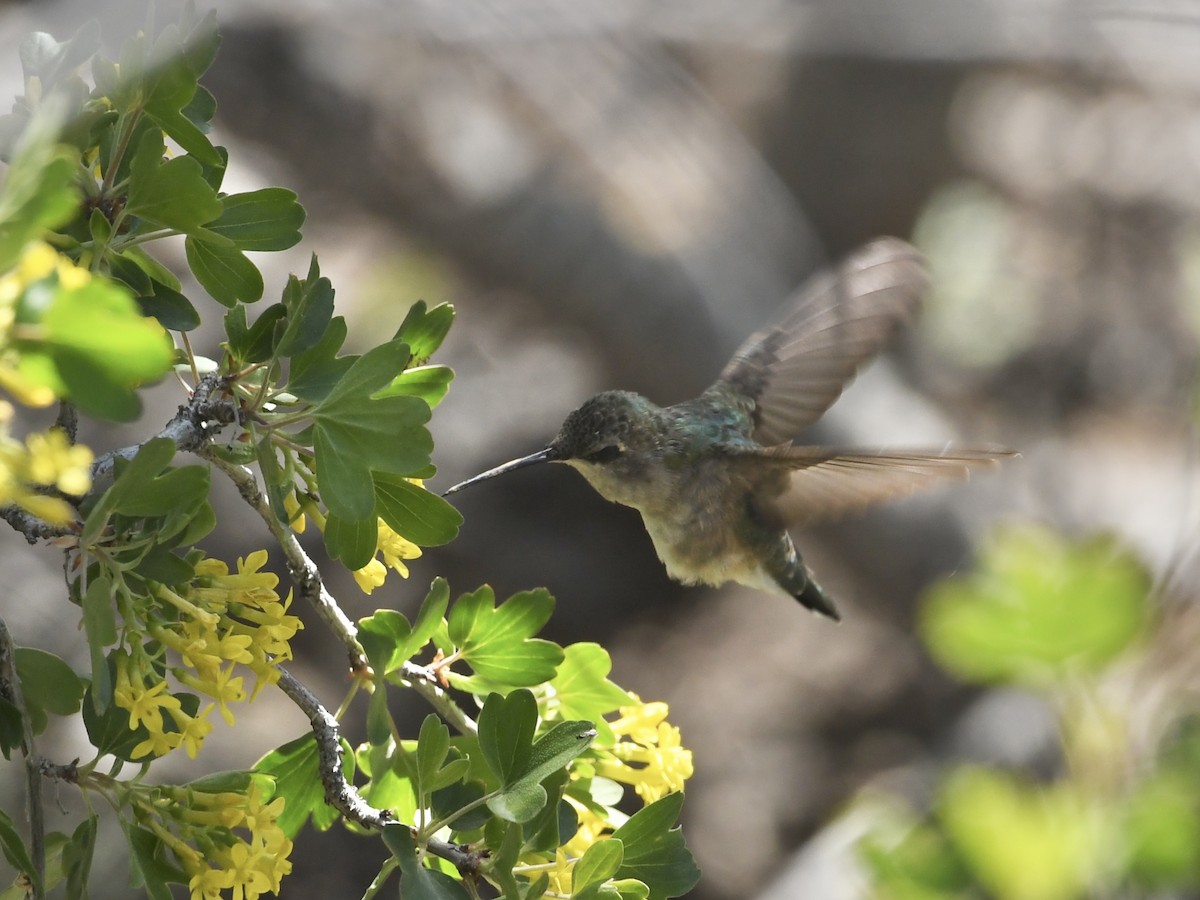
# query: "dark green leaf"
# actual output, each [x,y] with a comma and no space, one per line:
[351,542]
[100,626]
[149,863]
[294,767]
[15,851]
[522,795]
[260,338]
[416,881]
[310,309]
[354,432]
[450,799]
[415,513]
[225,272]
[506,726]
[433,608]
[424,330]
[316,371]
[173,310]
[48,685]
[77,858]
[557,821]
[172,194]
[655,852]
[380,727]
[12,730]
[267,219]
[433,743]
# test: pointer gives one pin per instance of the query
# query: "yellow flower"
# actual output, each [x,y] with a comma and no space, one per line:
[653,760]
[394,549]
[53,459]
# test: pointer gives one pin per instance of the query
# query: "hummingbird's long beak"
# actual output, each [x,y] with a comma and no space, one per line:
[547,455]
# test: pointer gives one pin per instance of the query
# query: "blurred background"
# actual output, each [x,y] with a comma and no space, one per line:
[614,194]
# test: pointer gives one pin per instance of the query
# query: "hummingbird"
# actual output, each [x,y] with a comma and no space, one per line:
[718,479]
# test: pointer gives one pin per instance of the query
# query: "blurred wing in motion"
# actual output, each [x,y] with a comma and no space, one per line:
[827,482]
[793,371]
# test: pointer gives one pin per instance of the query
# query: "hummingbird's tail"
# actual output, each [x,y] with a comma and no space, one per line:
[815,598]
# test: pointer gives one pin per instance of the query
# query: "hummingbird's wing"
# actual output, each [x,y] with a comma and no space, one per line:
[793,371]
[827,482]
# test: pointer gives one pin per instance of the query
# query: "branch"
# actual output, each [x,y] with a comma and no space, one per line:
[191,428]
[425,683]
[10,687]
[342,795]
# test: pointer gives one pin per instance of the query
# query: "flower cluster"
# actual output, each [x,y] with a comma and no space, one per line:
[219,621]
[223,840]
[45,459]
[647,755]
[392,547]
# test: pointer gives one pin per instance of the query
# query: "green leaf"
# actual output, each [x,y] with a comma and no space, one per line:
[149,863]
[383,636]
[583,690]
[173,310]
[354,432]
[77,857]
[12,730]
[599,863]
[15,851]
[448,800]
[1163,830]
[257,345]
[352,543]
[655,852]
[379,720]
[48,60]
[433,743]
[316,371]
[147,487]
[414,512]
[100,627]
[294,766]
[497,643]
[267,219]
[1037,842]
[48,685]
[430,383]
[424,330]
[172,194]
[225,272]
[506,727]
[92,344]
[235,781]
[1037,608]
[309,306]
[39,186]
[522,795]
[428,619]
[416,881]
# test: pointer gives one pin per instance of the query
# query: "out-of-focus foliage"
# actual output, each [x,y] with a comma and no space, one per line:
[1071,620]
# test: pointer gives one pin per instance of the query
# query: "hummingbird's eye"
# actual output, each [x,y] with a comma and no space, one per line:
[604,454]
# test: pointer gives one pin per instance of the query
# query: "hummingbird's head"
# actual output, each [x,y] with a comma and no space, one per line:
[600,431]
[605,439]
